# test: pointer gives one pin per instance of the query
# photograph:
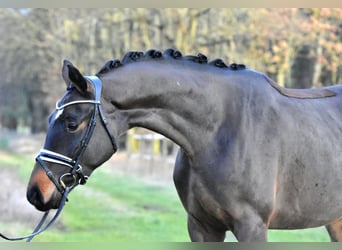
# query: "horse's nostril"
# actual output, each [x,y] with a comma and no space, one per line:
[34,196]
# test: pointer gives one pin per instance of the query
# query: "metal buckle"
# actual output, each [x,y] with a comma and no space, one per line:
[62,182]
[83,180]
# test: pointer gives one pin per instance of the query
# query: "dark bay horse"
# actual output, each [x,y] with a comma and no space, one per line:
[253,155]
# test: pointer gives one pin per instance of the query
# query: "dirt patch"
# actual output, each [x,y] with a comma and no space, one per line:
[154,207]
[14,206]
[15,210]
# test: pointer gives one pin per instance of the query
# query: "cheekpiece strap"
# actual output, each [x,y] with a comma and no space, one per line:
[98,86]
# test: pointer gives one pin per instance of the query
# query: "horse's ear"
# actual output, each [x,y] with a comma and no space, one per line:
[72,75]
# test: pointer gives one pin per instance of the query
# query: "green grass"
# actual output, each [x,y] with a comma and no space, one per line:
[118,208]
[114,208]
[307,235]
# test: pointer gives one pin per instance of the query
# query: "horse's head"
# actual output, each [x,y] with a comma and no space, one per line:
[74,144]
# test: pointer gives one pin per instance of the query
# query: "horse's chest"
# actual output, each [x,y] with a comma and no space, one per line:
[199,195]
[207,202]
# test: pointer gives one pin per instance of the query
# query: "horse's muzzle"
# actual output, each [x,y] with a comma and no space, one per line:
[42,193]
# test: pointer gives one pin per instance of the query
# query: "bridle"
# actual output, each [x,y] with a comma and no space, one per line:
[76,173]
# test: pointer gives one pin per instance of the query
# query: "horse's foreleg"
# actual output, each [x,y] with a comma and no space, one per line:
[335,230]
[201,232]
[251,229]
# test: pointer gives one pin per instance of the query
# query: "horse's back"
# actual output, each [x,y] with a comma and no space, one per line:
[337,89]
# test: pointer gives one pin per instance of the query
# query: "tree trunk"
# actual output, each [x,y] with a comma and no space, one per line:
[38,108]
[303,66]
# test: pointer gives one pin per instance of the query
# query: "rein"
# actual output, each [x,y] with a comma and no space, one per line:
[76,171]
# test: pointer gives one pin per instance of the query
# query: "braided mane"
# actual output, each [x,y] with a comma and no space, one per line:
[169,54]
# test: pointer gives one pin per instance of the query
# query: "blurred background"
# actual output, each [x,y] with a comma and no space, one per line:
[132,197]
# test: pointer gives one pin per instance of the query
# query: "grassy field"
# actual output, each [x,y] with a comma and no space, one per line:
[118,208]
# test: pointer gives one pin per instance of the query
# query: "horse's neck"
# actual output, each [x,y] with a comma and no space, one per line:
[174,102]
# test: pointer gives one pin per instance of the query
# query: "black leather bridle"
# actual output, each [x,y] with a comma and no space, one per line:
[76,174]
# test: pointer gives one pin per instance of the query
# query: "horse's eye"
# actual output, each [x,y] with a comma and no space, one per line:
[72,126]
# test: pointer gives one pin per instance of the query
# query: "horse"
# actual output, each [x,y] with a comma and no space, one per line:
[253,155]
